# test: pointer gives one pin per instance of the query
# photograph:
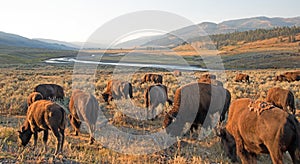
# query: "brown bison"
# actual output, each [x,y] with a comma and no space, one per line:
[34,96]
[288,76]
[196,100]
[152,78]
[208,76]
[282,98]
[240,77]
[272,131]
[44,115]
[280,78]
[292,76]
[117,89]
[83,107]
[155,95]
[210,81]
[50,91]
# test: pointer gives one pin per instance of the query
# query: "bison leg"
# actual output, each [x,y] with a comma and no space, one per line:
[45,139]
[62,132]
[35,135]
[58,138]
[242,152]
[275,152]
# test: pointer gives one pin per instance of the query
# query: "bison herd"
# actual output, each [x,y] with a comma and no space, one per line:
[252,127]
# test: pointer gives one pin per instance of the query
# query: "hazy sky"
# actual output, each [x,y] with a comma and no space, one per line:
[76,20]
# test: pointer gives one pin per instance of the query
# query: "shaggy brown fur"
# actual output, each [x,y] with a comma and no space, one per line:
[152,78]
[83,107]
[194,101]
[155,95]
[208,76]
[44,115]
[50,91]
[240,77]
[210,81]
[282,98]
[273,131]
[34,96]
[117,89]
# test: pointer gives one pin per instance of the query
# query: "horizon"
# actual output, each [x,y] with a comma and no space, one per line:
[76,21]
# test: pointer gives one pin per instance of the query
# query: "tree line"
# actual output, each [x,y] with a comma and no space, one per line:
[233,38]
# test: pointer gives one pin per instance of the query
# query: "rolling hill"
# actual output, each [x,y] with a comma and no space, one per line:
[13,40]
[177,37]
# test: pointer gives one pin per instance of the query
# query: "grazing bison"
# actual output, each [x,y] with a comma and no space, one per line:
[292,76]
[272,131]
[210,81]
[83,107]
[196,100]
[280,78]
[282,98]
[34,96]
[208,76]
[50,91]
[155,95]
[44,115]
[152,78]
[240,77]
[117,89]
[288,76]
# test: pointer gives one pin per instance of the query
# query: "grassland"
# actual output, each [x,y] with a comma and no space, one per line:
[16,82]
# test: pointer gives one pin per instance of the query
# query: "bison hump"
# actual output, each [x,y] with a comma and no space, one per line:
[259,106]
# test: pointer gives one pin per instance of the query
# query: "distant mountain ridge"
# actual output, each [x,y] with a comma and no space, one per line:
[208,28]
[168,40]
[7,39]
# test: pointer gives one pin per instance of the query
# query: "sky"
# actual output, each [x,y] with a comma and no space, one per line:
[76,20]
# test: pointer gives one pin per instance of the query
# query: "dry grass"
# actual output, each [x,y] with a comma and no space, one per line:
[17,83]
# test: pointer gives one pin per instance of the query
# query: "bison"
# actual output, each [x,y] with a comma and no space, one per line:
[292,76]
[240,77]
[83,107]
[155,95]
[34,96]
[196,100]
[280,78]
[156,78]
[288,76]
[50,91]
[44,115]
[282,98]
[208,76]
[117,89]
[248,133]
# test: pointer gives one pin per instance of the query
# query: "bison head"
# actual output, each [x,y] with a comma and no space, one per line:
[24,136]
[228,143]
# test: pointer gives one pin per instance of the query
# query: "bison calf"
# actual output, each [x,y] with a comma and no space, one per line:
[156,78]
[155,95]
[117,89]
[282,98]
[83,107]
[44,115]
[240,77]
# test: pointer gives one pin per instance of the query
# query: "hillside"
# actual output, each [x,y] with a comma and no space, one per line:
[174,38]
[7,39]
